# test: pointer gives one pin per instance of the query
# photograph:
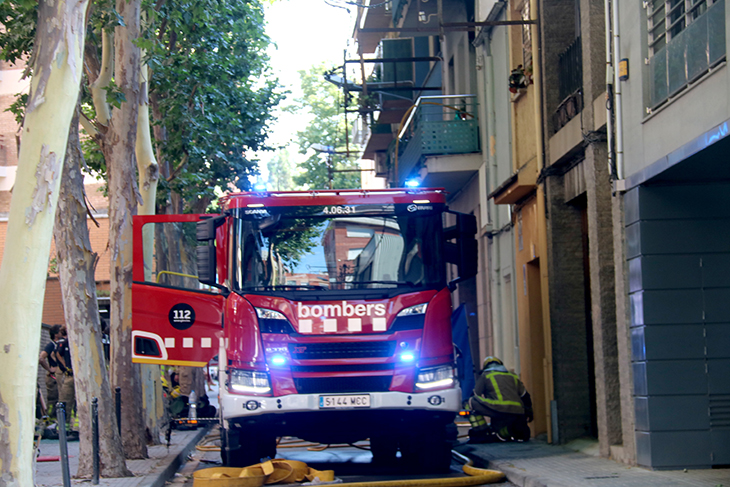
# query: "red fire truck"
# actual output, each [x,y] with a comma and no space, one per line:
[329,312]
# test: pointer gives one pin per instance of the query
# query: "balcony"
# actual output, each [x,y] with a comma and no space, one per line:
[439,142]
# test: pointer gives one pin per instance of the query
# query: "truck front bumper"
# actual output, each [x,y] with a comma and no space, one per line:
[236,406]
[390,414]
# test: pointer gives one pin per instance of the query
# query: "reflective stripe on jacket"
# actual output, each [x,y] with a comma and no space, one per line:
[501,391]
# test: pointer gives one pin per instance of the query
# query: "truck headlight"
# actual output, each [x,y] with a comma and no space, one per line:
[269,314]
[419,309]
[441,377]
[271,321]
[249,381]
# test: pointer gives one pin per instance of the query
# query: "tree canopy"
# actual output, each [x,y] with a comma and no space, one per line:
[211,91]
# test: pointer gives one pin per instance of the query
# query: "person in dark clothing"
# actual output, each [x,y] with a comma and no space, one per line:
[501,396]
[48,362]
[67,393]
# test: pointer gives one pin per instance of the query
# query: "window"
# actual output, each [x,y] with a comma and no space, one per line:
[685,38]
[359,231]
[353,253]
[667,18]
[170,255]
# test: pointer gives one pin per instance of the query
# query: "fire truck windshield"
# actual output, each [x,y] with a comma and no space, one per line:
[286,249]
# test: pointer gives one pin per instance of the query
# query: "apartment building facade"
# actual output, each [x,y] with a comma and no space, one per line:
[599,184]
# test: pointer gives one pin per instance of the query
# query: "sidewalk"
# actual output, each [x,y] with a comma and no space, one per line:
[537,464]
[152,472]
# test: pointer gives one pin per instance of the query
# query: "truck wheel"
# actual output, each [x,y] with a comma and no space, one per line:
[241,449]
[384,449]
[429,450]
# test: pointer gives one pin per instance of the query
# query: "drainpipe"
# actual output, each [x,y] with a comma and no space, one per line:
[609,91]
[537,80]
[617,93]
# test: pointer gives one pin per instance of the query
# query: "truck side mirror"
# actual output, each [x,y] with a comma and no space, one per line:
[206,264]
[464,253]
[205,231]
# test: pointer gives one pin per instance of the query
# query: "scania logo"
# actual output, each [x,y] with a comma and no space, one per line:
[256,211]
[415,207]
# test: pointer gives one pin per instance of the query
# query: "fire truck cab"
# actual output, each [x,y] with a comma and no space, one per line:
[330,313]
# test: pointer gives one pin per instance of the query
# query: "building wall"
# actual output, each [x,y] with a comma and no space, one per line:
[10,85]
[494,99]
[703,105]
[99,237]
[680,322]
[569,315]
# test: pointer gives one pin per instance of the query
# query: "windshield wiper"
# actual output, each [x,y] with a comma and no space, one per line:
[390,283]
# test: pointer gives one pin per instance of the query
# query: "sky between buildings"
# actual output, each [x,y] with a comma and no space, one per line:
[305,32]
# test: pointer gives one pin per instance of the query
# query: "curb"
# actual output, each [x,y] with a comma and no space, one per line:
[171,463]
[517,476]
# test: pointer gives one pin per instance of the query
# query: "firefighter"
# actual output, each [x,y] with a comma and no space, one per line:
[501,396]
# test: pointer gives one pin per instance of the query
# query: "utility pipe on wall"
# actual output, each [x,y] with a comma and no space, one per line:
[609,90]
[617,92]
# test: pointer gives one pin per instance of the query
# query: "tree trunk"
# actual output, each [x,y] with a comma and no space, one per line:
[77,263]
[57,69]
[119,149]
[149,174]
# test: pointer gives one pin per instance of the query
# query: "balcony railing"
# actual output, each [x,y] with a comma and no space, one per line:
[436,125]
[570,70]
[570,84]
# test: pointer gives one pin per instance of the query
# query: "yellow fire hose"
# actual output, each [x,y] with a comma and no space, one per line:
[281,471]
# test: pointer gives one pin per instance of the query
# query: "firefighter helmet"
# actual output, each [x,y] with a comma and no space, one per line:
[491,360]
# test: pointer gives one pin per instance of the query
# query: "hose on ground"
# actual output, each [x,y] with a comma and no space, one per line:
[475,476]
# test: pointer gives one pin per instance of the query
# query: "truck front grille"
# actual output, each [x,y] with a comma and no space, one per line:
[314,351]
[338,385]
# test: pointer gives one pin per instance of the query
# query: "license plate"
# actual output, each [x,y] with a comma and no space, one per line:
[349,401]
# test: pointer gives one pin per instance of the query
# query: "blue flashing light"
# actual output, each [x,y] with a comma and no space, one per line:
[259,187]
[278,360]
[407,357]
[413,183]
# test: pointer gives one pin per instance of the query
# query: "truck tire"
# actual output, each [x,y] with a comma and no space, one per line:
[242,448]
[428,450]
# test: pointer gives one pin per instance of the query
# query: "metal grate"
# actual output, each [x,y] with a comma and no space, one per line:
[450,137]
[720,411]
[570,70]
[342,368]
[342,385]
[690,51]
[314,351]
